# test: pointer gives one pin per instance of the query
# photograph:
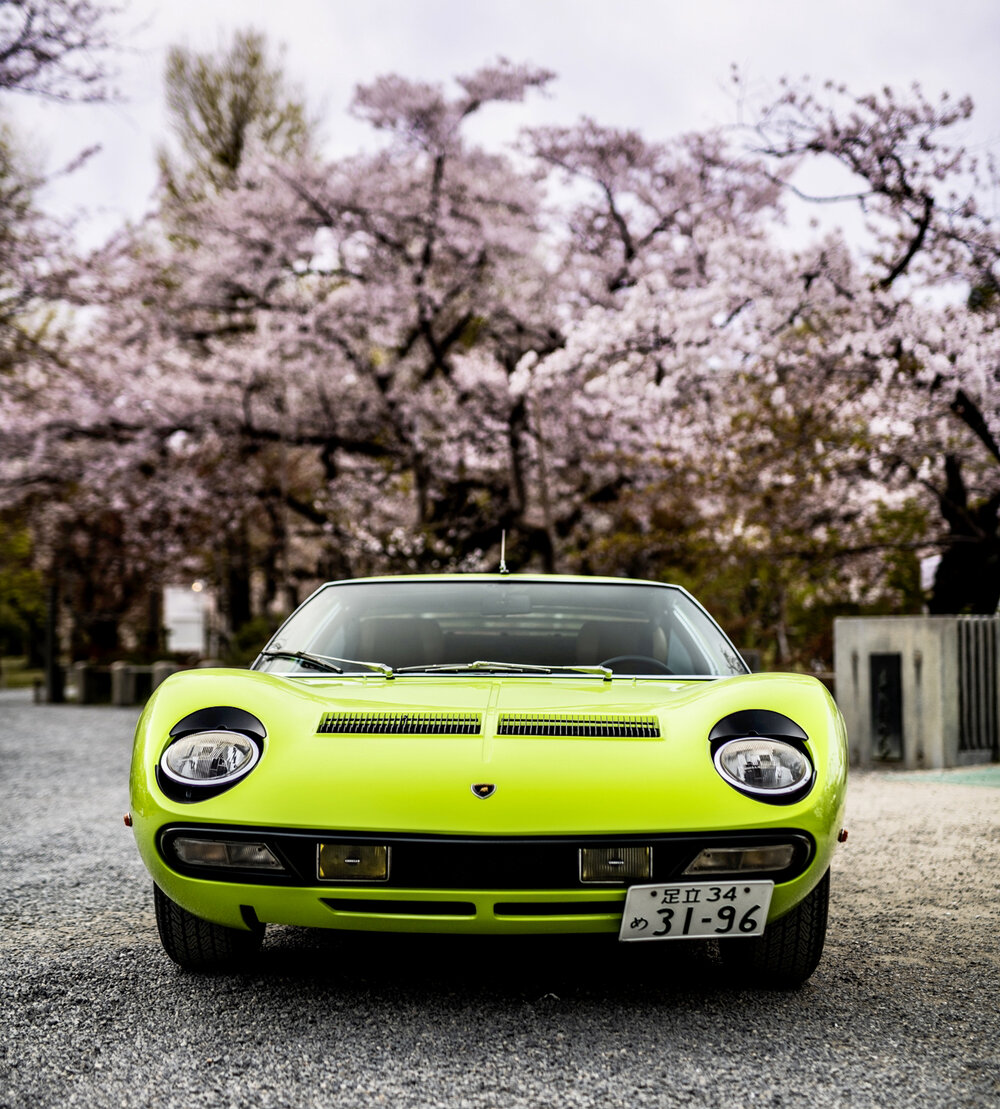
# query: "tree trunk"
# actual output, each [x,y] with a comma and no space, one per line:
[54,688]
[235,580]
[968,576]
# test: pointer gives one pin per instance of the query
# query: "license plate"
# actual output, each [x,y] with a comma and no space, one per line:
[691,910]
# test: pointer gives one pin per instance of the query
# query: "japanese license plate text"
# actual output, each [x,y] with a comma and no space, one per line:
[688,910]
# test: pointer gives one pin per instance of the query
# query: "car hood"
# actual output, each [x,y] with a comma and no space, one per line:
[566,754]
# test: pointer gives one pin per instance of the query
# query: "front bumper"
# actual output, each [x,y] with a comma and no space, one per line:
[454,884]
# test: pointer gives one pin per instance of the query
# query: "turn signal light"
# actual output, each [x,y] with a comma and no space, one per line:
[744,860]
[235,854]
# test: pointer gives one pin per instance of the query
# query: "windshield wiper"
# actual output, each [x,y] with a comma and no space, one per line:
[596,670]
[479,664]
[504,667]
[328,662]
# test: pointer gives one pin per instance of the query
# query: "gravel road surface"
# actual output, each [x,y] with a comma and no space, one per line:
[904,1009]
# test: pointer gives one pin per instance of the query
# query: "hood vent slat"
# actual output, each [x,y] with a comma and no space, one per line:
[400,723]
[538,725]
[578,726]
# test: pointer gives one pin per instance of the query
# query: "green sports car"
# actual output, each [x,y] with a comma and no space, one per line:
[494,754]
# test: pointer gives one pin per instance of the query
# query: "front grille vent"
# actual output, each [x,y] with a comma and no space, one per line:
[399,723]
[576,726]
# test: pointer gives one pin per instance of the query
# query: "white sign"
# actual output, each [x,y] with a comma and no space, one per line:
[184,618]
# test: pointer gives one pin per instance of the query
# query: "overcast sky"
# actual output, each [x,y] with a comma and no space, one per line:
[661,66]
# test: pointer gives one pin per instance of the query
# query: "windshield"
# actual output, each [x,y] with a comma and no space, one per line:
[489,625]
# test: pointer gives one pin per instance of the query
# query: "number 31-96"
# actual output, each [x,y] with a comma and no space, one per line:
[695,910]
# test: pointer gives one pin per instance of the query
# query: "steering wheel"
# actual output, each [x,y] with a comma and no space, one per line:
[660,667]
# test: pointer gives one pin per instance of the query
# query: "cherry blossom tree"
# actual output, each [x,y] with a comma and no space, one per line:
[806,400]
[325,351]
[58,50]
[387,300]
[935,370]
[302,368]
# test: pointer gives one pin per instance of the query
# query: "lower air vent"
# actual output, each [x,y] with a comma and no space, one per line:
[575,726]
[557,908]
[401,908]
[399,723]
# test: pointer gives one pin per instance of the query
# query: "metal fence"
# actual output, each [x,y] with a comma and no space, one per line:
[978,695]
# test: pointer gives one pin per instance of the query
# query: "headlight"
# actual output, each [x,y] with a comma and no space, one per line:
[213,758]
[762,766]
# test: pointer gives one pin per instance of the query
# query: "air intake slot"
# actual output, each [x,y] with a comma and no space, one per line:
[399,723]
[401,908]
[558,908]
[576,726]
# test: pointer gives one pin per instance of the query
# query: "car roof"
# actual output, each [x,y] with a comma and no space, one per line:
[577,579]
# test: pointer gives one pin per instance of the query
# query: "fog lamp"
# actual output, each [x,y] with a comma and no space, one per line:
[352,862]
[714,860]
[225,853]
[615,864]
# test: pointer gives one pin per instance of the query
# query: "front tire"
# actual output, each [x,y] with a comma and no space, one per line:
[197,944]
[789,950]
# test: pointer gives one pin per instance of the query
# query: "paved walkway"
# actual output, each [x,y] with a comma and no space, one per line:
[903,1011]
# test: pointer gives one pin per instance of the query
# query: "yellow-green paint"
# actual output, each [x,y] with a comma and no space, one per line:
[421,784]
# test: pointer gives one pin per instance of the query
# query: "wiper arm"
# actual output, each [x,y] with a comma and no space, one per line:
[479,664]
[329,662]
[596,670]
[508,667]
[317,661]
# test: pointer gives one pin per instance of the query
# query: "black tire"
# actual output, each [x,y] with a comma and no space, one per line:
[789,950]
[197,944]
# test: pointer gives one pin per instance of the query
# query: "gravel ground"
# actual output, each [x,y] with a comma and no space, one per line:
[903,1010]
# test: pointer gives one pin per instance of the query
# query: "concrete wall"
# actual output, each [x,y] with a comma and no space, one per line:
[929,696]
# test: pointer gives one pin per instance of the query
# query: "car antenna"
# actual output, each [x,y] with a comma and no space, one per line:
[503,552]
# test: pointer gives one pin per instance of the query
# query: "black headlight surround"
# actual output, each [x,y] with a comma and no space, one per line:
[762,724]
[220,718]
[753,722]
